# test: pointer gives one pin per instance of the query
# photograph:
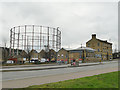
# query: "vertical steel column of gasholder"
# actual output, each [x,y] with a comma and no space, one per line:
[60,40]
[38,46]
[33,38]
[40,35]
[57,40]
[10,42]
[25,39]
[53,37]
[22,42]
[48,38]
[43,40]
[27,43]
[38,42]
[18,39]
[13,40]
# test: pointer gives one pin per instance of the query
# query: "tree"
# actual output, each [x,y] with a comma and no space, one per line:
[5,50]
[28,56]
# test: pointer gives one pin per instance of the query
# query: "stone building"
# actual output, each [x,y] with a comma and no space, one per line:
[33,55]
[85,53]
[63,55]
[42,54]
[82,53]
[4,54]
[51,54]
[103,48]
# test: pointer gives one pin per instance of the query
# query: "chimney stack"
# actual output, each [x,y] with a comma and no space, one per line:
[94,36]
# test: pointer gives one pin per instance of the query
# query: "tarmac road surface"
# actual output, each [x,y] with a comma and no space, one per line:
[21,79]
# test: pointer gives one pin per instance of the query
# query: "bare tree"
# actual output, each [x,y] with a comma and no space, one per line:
[115,50]
[5,50]
[28,54]
[28,50]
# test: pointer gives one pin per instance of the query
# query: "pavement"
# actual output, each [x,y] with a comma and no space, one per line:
[43,67]
[32,65]
[21,79]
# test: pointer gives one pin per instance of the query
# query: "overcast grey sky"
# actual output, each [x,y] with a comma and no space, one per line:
[77,20]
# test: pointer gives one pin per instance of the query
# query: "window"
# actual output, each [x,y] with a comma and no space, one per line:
[98,50]
[62,55]
[104,50]
[58,55]
[52,53]
[80,56]
[98,44]
[88,44]
[66,56]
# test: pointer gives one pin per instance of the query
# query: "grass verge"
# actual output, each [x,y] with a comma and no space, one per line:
[107,80]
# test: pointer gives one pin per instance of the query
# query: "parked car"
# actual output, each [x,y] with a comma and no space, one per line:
[34,61]
[43,60]
[10,62]
[26,61]
[110,59]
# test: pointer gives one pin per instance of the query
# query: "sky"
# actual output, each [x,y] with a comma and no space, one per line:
[77,20]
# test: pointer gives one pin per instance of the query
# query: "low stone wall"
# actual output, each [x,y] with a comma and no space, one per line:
[92,59]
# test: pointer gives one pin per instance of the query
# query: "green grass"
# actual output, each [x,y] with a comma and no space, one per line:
[107,80]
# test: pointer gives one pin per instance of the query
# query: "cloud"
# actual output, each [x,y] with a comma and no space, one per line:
[77,21]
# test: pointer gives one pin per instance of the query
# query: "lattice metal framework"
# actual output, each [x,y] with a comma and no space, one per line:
[28,37]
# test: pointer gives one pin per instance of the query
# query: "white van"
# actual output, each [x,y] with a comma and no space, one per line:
[10,62]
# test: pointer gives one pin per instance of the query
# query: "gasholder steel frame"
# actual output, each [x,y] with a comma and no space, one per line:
[34,37]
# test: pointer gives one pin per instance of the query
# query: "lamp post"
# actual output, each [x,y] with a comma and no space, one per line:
[83,53]
[83,56]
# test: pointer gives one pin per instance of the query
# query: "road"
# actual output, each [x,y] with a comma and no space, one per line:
[20,79]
